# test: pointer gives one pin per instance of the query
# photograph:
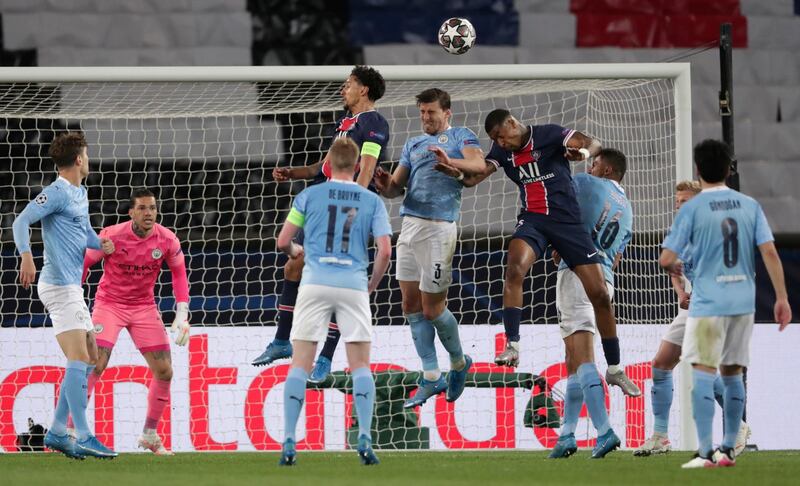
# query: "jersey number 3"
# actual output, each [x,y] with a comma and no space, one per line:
[348,223]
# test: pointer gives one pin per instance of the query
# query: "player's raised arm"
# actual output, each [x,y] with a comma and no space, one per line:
[467,179]
[581,147]
[283,174]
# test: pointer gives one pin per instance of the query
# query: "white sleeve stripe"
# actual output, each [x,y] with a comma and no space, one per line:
[569,135]
[495,163]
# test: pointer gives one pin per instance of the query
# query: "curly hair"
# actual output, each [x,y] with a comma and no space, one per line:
[66,148]
[372,79]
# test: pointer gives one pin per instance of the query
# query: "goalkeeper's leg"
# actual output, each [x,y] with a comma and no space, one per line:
[158,396]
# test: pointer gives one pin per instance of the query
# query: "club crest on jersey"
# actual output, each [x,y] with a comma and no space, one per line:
[347,124]
[81,316]
[41,199]
[156,254]
[98,328]
[442,138]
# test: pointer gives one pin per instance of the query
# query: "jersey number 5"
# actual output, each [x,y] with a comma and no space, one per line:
[348,223]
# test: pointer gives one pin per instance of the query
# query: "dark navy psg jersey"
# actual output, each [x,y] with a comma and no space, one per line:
[542,173]
[367,127]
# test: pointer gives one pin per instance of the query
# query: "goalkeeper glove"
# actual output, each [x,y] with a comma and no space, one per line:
[180,326]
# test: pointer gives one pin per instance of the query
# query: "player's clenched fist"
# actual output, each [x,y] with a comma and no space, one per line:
[107,245]
[282,174]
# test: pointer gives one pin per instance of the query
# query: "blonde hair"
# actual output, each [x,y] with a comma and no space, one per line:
[343,154]
[691,186]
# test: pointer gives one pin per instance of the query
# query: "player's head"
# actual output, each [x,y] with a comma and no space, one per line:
[713,160]
[343,155]
[434,110]
[685,190]
[364,83]
[609,163]
[143,210]
[69,150]
[505,130]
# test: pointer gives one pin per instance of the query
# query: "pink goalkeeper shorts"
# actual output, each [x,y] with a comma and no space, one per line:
[143,323]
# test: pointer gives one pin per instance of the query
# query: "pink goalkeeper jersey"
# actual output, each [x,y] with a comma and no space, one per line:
[130,273]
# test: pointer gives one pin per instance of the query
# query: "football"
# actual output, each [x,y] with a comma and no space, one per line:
[456,35]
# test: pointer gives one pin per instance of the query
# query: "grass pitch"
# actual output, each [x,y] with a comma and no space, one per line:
[396,468]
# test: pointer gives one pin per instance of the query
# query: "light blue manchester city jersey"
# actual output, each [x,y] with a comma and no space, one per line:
[431,194]
[338,218]
[66,231]
[723,228]
[606,213]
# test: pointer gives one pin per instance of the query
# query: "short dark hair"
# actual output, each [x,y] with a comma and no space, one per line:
[495,118]
[140,192]
[435,94]
[713,160]
[343,154]
[617,161]
[372,79]
[66,148]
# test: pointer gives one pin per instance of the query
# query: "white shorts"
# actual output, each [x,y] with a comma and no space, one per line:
[574,308]
[316,303]
[66,307]
[715,341]
[425,253]
[677,328]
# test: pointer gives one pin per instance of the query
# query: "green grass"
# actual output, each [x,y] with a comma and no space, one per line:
[409,468]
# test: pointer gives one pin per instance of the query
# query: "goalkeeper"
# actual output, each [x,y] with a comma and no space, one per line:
[125,300]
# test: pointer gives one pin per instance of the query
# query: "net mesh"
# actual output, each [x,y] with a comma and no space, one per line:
[208,149]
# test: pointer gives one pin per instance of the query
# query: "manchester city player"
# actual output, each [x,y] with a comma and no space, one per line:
[428,238]
[723,227]
[63,209]
[338,217]
[370,131]
[606,214]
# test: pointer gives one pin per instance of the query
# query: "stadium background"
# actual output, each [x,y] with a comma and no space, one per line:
[229,32]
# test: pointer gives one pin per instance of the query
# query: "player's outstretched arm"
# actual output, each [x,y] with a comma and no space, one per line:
[394,185]
[283,174]
[783,312]
[468,180]
[381,264]
[473,161]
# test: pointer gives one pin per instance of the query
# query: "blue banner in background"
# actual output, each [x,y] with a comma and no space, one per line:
[418,21]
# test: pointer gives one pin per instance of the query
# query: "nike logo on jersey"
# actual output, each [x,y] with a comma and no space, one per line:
[590,255]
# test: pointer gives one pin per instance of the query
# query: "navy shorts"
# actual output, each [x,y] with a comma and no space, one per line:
[570,240]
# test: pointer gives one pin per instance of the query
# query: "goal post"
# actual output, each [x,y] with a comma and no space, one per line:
[206,140]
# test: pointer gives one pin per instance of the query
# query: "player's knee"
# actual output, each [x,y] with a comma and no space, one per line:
[163,374]
[411,306]
[599,297]
[665,360]
[515,274]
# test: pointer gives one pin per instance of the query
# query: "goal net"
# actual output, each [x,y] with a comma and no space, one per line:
[207,146]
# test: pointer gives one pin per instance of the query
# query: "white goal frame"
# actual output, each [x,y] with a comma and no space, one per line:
[679,73]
